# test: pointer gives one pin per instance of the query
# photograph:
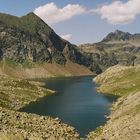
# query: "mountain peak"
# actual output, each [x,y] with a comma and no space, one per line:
[117,35]
[121,32]
[31,15]
[30,38]
[30,22]
[118,31]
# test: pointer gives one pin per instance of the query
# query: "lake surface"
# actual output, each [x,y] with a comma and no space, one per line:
[77,103]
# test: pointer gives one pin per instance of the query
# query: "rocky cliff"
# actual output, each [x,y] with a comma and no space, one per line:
[116,48]
[28,40]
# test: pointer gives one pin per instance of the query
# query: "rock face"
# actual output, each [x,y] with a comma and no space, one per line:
[29,38]
[116,48]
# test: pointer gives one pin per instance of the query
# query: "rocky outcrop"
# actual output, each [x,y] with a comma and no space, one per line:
[117,36]
[29,38]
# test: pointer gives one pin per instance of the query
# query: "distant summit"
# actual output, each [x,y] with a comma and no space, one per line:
[117,35]
[117,47]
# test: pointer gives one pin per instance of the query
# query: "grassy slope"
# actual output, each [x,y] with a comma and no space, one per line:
[36,70]
[26,23]
[119,80]
[16,93]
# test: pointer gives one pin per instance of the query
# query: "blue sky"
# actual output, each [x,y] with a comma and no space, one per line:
[89,24]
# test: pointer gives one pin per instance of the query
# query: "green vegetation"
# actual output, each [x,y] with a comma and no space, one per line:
[29,64]
[13,64]
[15,93]
[128,81]
[27,23]
[10,63]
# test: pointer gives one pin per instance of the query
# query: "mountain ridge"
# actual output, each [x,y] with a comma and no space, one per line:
[117,35]
[116,48]
[28,39]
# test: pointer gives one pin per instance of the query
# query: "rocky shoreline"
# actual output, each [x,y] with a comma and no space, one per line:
[15,94]
[34,127]
[124,120]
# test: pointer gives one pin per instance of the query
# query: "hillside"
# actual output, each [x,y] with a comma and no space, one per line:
[30,70]
[15,94]
[124,120]
[126,79]
[28,41]
[116,48]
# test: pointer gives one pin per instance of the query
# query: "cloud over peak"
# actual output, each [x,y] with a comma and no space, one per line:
[52,14]
[119,12]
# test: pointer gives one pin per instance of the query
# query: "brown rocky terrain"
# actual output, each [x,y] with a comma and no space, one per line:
[45,70]
[15,94]
[16,125]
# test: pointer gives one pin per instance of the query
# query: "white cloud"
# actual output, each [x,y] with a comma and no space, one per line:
[51,14]
[119,12]
[67,36]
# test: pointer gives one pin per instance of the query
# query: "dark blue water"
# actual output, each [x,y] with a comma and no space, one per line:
[77,103]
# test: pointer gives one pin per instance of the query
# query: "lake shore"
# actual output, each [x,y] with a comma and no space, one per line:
[20,125]
[124,120]
[17,125]
[75,102]
[15,94]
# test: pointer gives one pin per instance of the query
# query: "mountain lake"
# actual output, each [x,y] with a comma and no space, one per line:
[76,103]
